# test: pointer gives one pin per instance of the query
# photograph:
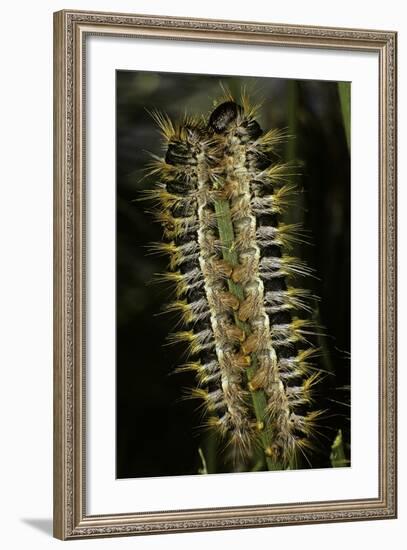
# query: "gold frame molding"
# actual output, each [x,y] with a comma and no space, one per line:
[70,31]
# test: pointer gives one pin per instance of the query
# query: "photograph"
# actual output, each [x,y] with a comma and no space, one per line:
[233,274]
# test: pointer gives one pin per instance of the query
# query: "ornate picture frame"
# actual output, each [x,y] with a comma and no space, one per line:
[72,519]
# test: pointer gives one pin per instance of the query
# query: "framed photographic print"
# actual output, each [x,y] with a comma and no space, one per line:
[225,266]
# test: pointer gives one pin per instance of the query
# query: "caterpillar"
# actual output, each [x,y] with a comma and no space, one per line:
[220,196]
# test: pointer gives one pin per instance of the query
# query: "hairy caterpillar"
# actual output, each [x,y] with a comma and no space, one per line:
[219,198]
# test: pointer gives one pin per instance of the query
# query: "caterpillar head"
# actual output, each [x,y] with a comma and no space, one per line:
[229,116]
[225,116]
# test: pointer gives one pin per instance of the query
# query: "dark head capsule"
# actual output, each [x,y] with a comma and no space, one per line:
[223,116]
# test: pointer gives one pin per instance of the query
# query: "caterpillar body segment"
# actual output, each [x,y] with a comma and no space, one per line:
[219,199]
[196,267]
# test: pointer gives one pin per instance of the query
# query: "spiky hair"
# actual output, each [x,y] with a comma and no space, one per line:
[219,197]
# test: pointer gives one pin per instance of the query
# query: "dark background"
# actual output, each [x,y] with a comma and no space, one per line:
[157,431]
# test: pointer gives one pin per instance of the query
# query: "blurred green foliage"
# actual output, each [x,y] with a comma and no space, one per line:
[338,455]
[344,96]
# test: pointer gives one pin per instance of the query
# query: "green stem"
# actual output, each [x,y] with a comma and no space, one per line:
[226,235]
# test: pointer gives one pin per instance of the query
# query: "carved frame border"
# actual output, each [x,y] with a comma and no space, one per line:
[70,31]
